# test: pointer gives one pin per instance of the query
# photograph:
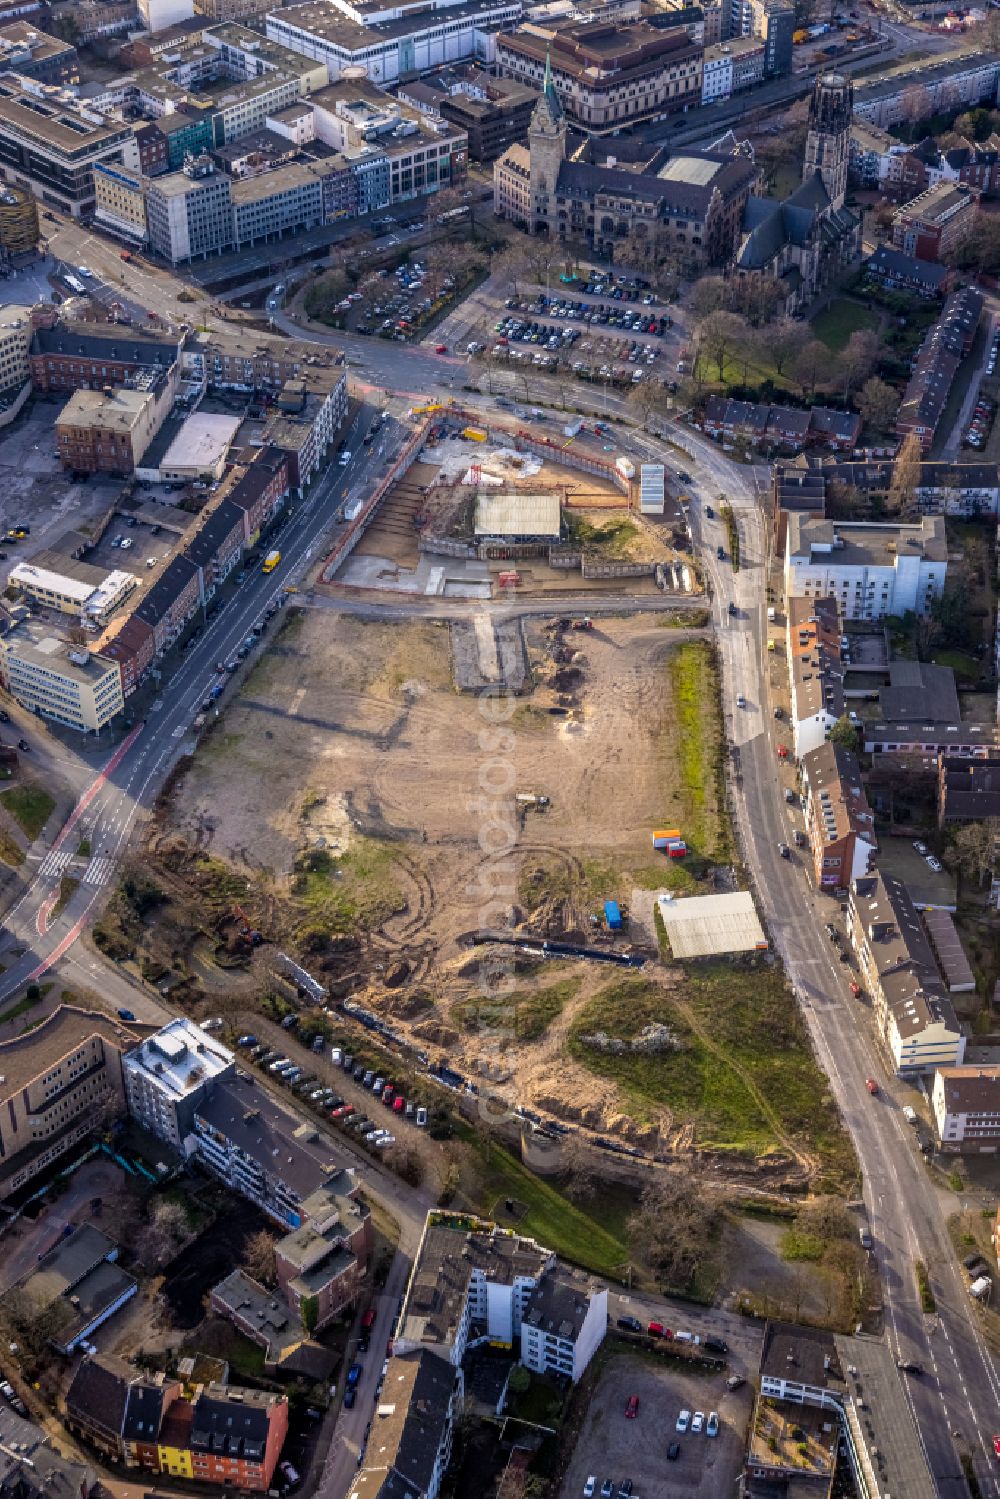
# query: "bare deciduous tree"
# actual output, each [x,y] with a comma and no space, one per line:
[673,1229]
[259,1258]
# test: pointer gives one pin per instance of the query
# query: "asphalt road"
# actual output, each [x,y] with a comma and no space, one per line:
[960,1392]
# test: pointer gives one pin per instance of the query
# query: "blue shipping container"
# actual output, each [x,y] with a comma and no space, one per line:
[612,915]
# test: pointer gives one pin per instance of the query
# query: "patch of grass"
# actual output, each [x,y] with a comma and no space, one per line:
[357,889]
[685,619]
[526,1014]
[835,324]
[30,805]
[696,743]
[732,535]
[796,1245]
[927,1301]
[11,851]
[961,664]
[595,1242]
[28,1002]
[67,886]
[743,1074]
[83,849]
[612,539]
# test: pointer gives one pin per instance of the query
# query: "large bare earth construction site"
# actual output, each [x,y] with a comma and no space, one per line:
[366,814]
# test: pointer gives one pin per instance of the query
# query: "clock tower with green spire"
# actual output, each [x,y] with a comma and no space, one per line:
[547,144]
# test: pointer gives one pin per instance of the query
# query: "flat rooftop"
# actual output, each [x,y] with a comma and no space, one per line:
[202,442]
[515,513]
[698,925]
[181,1057]
[891,1441]
[865,543]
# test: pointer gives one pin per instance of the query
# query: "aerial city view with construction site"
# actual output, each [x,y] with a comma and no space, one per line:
[500,749]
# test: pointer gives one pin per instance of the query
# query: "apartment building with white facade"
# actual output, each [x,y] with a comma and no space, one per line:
[966,1104]
[871,569]
[815,671]
[168,1076]
[912,1010]
[563,1326]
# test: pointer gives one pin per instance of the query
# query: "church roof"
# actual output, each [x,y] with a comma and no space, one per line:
[769,225]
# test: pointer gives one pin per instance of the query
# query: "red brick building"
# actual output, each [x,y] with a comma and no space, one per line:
[237,1436]
[91,356]
[260,491]
[132,643]
[936,222]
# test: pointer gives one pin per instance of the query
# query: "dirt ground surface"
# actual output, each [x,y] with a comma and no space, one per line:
[612,1446]
[378,793]
[436,498]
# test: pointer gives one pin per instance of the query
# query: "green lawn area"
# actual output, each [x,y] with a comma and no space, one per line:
[590,1235]
[22,1006]
[961,664]
[30,805]
[742,1072]
[835,324]
[696,745]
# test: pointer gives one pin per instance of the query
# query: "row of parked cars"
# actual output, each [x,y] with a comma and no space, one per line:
[594,314]
[13,1400]
[327,1100]
[978,431]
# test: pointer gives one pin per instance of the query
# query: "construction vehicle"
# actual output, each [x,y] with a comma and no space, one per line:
[249,933]
[475,434]
[531,799]
[426,410]
[586,623]
[510,579]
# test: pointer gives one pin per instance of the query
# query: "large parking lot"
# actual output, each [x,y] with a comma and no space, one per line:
[613,1447]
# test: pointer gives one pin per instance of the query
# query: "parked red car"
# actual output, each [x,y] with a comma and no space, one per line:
[632,1407]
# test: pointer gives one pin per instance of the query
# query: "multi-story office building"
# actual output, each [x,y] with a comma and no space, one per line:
[870,569]
[279,202]
[190,212]
[913,1013]
[231,10]
[27,51]
[169,1074]
[58,680]
[396,40]
[51,146]
[966,1104]
[607,75]
[422,155]
[120,198]
[57,1084]
[15,338]
[87,592]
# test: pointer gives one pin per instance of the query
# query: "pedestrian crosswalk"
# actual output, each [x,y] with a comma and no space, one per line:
[55,862]
[98,871]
